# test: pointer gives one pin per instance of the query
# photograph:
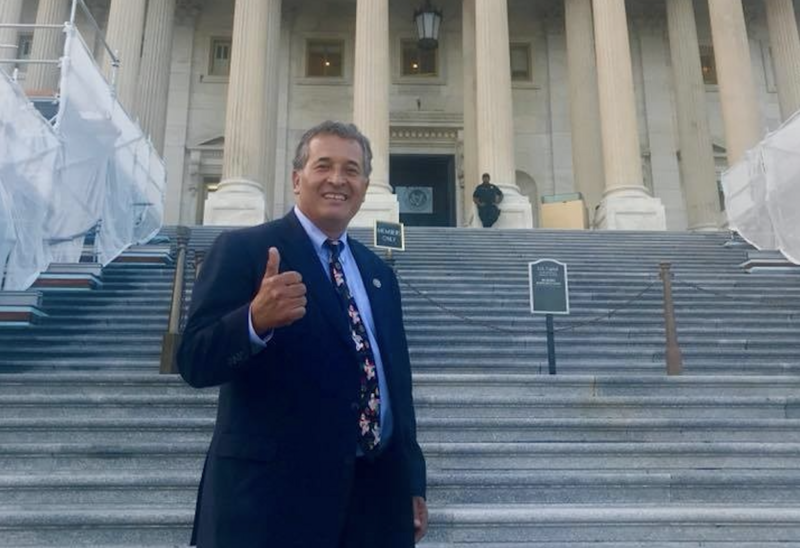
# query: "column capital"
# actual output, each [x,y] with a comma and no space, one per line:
[649,15]
[551,12]
[753,11]
[188,9]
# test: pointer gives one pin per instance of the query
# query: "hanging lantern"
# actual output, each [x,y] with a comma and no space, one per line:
[428,22]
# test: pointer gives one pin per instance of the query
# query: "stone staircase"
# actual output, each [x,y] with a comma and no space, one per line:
[96,449]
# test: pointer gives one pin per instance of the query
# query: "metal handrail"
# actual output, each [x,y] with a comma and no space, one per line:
[672,350]
[171,340]
[93,21]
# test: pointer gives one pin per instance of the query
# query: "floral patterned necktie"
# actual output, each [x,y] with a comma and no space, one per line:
[369,416]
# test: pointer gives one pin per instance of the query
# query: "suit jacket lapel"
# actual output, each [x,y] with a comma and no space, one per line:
[299,253]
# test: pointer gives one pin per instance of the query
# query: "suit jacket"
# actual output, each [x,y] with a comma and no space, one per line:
[280,466]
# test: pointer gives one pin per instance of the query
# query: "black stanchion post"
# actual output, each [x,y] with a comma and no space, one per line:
[673,350]
[551,344]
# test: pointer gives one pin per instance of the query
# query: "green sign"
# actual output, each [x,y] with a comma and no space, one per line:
[390,235]
[549,287]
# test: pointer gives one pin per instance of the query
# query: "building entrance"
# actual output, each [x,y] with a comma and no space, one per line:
[425,187]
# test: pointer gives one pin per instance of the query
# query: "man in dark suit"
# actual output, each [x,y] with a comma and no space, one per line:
[301,327]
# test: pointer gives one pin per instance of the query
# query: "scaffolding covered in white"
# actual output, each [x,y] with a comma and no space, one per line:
[92,171]
[762,192]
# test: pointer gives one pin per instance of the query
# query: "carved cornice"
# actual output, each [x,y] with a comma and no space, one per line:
[428,135]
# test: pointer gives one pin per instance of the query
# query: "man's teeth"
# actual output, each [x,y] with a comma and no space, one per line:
[338,197]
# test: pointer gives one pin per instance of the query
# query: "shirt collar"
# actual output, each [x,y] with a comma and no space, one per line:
[318,238]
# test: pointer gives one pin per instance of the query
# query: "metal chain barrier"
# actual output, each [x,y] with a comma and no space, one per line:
[603,317]
[608,315]
[745,298]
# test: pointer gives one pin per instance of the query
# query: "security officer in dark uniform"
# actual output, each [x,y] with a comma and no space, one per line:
[486,197]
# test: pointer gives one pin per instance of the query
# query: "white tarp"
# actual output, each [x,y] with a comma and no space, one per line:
[94,171]
[88,132]
[29,155]
[762,192]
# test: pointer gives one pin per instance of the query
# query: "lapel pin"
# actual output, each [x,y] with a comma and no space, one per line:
[376,282]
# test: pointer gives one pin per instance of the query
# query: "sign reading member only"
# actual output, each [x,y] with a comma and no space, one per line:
[389,235]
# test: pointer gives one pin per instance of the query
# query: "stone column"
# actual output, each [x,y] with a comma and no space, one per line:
[785,42]
[587,155]
[626,205]
[737,88]
[371,106]
[155,70]
[241,198]
[696,149]
[47,44]
[494,106]
[271,106]
[124,36]
[182,193]
[470,164]
[10,14]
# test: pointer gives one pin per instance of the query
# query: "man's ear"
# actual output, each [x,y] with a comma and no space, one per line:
[295,182]
[366,187]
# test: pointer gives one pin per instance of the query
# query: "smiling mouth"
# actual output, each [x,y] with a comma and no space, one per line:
[335,197]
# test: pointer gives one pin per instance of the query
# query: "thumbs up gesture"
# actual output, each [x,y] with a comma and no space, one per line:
[281,299]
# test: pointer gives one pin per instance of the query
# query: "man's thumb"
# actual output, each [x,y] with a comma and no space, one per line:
[273,263]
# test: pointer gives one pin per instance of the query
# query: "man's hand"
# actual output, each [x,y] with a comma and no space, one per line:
[281,299]
[420,518]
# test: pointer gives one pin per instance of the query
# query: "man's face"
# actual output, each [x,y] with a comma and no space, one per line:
[331,187]
[485,180]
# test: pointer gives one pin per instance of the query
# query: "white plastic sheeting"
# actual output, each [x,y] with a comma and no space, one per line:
[762,192]
[95,170]
[29,156]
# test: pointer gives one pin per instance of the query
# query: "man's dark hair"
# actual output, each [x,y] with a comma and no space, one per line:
[486,175]
[339,129]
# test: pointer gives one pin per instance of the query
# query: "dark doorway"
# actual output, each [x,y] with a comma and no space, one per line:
[425,188]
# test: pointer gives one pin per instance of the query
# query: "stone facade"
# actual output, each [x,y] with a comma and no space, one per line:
[441,115]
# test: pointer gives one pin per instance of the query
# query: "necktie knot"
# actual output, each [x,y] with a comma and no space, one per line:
[334,247]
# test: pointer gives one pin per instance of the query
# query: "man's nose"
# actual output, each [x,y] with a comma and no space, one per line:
[337,176]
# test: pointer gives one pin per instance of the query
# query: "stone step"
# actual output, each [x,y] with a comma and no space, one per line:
[747,289]
[458,405]
[687,339]
[652,351]
[563,525]
[581,525]
[112,489]
[182,426]
[652,365]
[619,330]
[41,337]
[611,456]
[434,405]
[89,526]
[630,365]
[44,363]
[522,309]
[478,346]
[103,386]
[67,458]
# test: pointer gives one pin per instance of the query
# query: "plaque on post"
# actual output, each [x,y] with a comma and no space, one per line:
[549,288]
